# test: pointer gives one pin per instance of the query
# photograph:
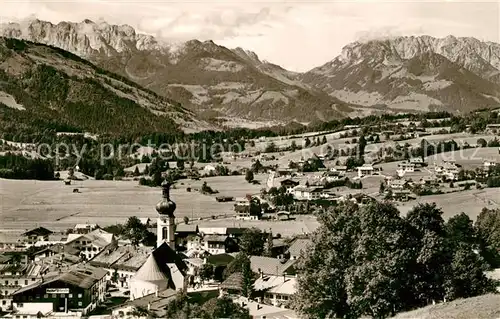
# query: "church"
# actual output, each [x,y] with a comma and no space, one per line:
[164,268]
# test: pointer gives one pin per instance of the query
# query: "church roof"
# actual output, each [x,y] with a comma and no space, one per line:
[150,271]
[163,265]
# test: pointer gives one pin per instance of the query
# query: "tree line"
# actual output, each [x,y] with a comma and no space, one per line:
[369,261]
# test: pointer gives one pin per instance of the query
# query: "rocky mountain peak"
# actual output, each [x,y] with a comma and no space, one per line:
[475,55]
[83,38]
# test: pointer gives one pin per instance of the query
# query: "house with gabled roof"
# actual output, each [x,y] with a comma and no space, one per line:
[92,243]
[297,247]
[39,234]
[77,291]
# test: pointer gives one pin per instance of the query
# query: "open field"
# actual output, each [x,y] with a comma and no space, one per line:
[470,202]
[469,158]
[481,307]
[28,203]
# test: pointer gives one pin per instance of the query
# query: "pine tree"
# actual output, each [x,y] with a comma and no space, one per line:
[247,278]
[268,251]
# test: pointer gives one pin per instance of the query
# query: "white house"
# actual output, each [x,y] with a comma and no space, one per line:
[307,193]
[365,170]
[406,167]
[277,290]
[208,169]
[449,170]
[489,164]
[92,243]
[397,183]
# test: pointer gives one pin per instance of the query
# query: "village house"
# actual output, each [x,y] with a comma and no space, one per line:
[490,128]
[92,243]
[417,161]
[53,250]
[331,176]
[155,303]
[243,209]
[209,169]
[40,234]
[397,183]
[429,180]
[219,244]
[297,247]
[449,170]
[275,290]
[289,184]
[121,263]
[365,170]
[10,242]
[307,193]
[489,164]
[406,167]
[84,228]
[77,291]
[183,232]
[340,169]
[54,239]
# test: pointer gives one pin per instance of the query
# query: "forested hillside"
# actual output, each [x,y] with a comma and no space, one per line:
[48,88]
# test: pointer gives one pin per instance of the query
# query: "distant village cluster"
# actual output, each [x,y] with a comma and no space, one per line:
[136,270]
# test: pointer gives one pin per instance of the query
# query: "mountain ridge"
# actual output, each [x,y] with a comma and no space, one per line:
[222,84]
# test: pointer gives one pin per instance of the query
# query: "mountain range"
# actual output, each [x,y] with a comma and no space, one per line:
[227,86]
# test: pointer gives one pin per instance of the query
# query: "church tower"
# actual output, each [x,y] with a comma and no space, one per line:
[165,231]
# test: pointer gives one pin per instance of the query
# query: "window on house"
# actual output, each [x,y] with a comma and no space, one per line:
[45,296]
[26,282]
[54,295]
[16,282]
[20,304]
[33,279]
[80,295]
[4,302]
[80,303]
[70,295]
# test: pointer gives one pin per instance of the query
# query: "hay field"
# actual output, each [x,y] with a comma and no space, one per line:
[469,158]
[470,202]
[26,203]
[481,307]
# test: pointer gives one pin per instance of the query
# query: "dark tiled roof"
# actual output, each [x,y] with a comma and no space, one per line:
[215,238]
[40,231]
[234,282]
[84,277]
[165,256]
[220,259]
[272,266]
[299,245]
[156,303]
[189,228]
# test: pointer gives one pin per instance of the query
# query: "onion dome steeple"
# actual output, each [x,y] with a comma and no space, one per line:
[165,206]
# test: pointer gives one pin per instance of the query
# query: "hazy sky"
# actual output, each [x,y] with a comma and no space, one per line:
[298,35]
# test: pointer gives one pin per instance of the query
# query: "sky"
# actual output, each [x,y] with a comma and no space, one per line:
[298,35]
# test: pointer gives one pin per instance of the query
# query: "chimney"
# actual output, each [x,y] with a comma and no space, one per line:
[156,293]
[149,306]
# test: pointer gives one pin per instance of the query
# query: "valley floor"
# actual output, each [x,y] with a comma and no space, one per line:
[26,204]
